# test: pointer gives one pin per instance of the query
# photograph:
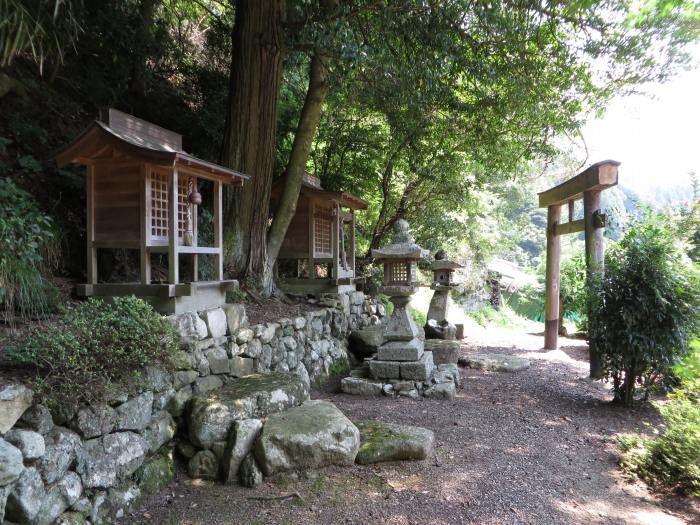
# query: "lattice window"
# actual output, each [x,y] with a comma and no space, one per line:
[182,192]
[159,205]
[322,231]
[399,273]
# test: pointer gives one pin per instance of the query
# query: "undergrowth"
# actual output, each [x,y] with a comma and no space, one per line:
[672,458]
[99,348]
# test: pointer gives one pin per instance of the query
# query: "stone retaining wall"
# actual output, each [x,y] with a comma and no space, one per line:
[93,464]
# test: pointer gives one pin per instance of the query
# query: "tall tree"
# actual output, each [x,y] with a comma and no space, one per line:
[251,123]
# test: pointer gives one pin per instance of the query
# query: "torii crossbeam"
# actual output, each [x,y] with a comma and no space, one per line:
[588,186]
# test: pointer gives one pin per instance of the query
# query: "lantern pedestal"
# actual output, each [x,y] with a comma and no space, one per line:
[437,325]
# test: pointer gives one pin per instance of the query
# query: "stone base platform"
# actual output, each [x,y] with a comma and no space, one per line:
[441,384]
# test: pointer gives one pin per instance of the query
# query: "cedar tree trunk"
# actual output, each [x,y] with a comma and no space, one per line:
[249,135]
[308,123]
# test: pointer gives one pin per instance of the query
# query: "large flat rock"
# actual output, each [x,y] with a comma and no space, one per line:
[381,441]
[212,414]
[495,362]
[313,435]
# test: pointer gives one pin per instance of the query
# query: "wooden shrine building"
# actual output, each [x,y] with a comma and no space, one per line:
[318,251]
[142,194]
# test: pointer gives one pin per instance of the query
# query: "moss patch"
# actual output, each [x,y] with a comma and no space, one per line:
[156,472]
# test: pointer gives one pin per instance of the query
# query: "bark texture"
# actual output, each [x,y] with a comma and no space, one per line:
[308,123]
[249,135]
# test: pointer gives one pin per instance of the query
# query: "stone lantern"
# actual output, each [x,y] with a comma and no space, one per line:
[437,325]
[402,354]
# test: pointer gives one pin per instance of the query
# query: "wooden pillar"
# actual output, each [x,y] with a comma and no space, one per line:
[312,219]
[335,241]
[194,217]
[218,230]
[144,253]
[90,226]
[352,241]
[551,297]
[173,240]
[594,260]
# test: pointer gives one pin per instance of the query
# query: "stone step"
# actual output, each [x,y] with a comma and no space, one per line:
[380,441]
[495,362]
[211,415]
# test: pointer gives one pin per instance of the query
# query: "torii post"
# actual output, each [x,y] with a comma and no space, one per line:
[588,186]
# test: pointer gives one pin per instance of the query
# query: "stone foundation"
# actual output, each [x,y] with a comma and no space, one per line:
[93,464]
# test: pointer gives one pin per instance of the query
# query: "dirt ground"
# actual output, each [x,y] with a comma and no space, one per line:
[534,447]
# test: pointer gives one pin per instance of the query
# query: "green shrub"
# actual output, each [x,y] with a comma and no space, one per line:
[673,457]
[644,311]
[99,348]
[573,291]
[504,317]
[28,251]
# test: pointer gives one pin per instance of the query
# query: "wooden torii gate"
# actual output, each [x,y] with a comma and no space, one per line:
[588,186]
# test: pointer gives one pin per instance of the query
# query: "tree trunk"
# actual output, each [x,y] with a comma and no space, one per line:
[308,123]
[249,134]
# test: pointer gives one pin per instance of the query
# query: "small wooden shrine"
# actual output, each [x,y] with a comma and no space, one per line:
[318,251]
[142,194]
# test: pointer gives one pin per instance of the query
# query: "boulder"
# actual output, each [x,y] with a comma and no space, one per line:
[186,449]
[206,384]
[313,435]
[189,326]
[30,443]
[381,441]
[495,362]
[94,421]
[158,379]
[135,414]
[216,322]
[25,498]
[235,317]
[203,465]
[62,446]
[441,391]
[364,343]
[177,404]
[218,360]
[59,498]
[446,373]
[211,415]
[444,351]
[240,443]
[156,473]
[11,465]
[3,500]
[249,473]
[15,398]
[243,335]
[160,431]
[103,461]
[37,418]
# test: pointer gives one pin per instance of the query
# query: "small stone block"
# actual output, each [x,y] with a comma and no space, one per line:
[444,351]
[401,350]
[418,370]
[385,369]
[361,387]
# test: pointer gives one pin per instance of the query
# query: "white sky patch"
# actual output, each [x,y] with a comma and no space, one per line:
[655,136]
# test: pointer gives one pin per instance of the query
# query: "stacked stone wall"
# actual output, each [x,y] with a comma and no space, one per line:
[92,464]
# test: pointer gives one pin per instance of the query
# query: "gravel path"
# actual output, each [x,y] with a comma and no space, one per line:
[533,447]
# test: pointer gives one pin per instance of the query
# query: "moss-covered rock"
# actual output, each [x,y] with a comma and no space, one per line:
[211,415]
[381,441]
[156,472]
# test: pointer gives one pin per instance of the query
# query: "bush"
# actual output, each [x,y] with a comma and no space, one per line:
[573,291]
[98,348]
[644,311]
[28,251]
[672,458]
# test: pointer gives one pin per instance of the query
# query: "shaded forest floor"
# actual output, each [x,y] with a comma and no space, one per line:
[534,447]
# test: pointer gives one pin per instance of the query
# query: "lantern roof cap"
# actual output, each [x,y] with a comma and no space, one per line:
[444,264]
[402,247]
